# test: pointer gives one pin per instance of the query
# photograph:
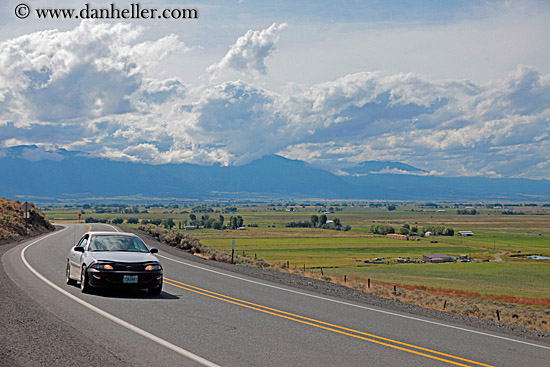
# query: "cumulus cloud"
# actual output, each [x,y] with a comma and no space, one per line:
[88,89]
[249,53]
[91,71]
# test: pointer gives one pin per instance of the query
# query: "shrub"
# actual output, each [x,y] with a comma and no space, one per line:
[382,229]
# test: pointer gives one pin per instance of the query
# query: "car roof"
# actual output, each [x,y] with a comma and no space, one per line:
[104,233]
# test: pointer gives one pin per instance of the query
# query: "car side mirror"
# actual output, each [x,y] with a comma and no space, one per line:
[154,250]
[79,249]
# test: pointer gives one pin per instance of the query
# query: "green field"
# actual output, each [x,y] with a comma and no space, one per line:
[345,252]
[520,280]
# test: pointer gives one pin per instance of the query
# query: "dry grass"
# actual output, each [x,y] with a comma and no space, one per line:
[519,311]
[12,224]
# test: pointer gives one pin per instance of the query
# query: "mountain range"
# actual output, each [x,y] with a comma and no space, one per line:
[29,172]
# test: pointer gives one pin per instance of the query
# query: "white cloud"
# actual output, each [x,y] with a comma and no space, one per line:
[250,52]
[90,89]
[91,71]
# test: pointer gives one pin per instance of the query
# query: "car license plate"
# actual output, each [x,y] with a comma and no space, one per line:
[130,279]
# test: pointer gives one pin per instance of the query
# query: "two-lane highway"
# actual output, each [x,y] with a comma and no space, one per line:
[206,316]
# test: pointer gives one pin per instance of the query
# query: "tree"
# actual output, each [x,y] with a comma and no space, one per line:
[168,223]
[404,230]
[314,220]
[381,229]
[193,217]
[337,223]
[117,221]
[322,219]
[236,222]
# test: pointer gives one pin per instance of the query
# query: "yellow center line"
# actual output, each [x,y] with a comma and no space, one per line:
[319,324]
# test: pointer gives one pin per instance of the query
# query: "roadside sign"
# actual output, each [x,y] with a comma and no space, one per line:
[26,207]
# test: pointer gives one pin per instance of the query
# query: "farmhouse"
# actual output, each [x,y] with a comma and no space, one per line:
[437,258]
[466,233]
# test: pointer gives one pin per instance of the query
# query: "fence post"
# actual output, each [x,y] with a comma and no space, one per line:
[232,251]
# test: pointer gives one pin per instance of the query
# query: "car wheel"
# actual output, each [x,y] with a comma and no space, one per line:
[84,285]
[68,277]
[156,291]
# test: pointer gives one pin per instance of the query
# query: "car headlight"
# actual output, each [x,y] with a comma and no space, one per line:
[153,267]
[103,267]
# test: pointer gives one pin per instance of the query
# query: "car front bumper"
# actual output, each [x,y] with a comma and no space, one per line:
[115,279]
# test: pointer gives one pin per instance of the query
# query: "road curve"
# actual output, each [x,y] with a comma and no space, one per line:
[207,316]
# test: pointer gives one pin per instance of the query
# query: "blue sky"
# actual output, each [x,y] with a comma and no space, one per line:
[452,87]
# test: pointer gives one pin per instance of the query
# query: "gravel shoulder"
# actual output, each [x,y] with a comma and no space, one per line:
[345,293]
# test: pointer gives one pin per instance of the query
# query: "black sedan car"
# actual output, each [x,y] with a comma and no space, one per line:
[113,260]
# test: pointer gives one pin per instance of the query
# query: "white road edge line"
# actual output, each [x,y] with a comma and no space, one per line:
[357,306]
[115,319]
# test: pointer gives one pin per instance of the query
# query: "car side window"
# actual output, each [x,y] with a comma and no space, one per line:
[83,242]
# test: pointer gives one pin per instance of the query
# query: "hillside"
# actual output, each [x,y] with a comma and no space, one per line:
[14,227]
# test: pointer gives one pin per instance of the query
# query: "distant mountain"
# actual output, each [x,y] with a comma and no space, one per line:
[371,167]
[72,174]
[31,172]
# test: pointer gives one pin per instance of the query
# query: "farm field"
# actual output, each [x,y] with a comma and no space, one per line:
[342,253]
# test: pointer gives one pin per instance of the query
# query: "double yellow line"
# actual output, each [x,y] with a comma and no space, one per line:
[428,353]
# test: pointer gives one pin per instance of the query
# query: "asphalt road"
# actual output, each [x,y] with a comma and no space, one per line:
[208,316]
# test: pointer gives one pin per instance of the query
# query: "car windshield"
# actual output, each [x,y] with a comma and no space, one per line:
[117,243]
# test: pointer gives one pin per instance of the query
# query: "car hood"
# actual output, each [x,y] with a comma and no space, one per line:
[121,256]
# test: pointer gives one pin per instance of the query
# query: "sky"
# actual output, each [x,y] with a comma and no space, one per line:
[455,88]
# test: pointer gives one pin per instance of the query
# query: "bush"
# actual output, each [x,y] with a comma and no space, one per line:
[96,220]
[439,230]
[382,229]
[301,224]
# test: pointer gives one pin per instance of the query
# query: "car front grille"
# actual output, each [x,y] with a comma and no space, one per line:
[129,266]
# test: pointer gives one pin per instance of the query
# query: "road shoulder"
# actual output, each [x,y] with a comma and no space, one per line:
[33,336]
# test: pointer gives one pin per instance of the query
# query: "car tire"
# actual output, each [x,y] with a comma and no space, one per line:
[155,291]
[67,275]
[84,285]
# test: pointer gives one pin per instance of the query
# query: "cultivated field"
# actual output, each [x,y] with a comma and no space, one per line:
[503,235]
